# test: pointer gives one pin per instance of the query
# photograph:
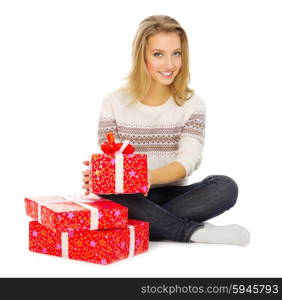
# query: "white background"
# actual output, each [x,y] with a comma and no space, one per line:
[58,59]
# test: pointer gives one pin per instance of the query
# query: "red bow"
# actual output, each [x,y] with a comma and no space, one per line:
[111,147]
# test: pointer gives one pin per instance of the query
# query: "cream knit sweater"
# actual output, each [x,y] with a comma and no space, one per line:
[166,133]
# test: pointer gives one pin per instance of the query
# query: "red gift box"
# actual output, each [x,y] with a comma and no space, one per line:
[96,246]
[118,170]
[72,212]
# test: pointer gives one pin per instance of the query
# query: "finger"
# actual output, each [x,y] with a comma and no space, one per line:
[86,162]
[86,179]
[86,172]
[86,186]
[87,192]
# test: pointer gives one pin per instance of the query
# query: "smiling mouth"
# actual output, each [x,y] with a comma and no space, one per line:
[166,74]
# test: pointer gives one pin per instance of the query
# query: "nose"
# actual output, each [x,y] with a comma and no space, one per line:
[169,64]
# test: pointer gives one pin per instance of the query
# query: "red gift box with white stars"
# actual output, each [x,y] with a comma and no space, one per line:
[76,212]
[118,170]
[95,246]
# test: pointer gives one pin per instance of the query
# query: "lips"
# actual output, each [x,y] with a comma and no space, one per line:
[166,74]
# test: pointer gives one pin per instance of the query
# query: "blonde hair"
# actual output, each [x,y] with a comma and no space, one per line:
[139,79]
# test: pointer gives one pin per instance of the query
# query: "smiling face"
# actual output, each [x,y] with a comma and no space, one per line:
[163,57]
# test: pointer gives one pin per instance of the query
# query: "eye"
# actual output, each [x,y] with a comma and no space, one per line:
[160,53]
[156,53]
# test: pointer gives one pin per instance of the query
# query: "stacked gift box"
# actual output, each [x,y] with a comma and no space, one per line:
[92,228]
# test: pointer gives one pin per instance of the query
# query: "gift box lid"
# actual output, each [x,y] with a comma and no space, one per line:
[75,212]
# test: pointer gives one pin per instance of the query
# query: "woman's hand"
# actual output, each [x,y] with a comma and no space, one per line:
[149,173]
[86,178]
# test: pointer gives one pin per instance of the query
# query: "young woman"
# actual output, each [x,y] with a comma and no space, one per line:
[162,117]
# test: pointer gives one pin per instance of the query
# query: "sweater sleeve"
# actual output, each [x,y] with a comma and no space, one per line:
[191,141]
[107,122]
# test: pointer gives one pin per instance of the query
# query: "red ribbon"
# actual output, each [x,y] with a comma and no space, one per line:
[111,147]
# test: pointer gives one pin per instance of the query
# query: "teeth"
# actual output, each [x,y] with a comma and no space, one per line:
[166,73]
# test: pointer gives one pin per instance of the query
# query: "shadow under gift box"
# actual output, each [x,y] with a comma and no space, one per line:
[107,178]
[95,246]
[62,214]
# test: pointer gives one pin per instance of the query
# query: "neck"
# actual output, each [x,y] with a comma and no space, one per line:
[156,96]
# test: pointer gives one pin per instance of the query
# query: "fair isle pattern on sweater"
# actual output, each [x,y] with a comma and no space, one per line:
[181,140]
[155,139]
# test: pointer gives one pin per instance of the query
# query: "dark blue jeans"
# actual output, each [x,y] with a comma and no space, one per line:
[175,212]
